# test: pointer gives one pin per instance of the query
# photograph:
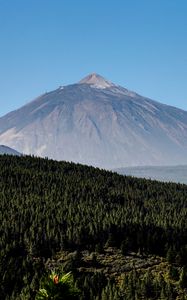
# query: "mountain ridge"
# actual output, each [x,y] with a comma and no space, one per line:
[7,150]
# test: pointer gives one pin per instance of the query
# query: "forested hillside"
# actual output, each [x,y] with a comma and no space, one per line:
[72,217]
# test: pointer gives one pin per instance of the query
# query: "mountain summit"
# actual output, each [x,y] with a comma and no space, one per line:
[97,81]
[96,122]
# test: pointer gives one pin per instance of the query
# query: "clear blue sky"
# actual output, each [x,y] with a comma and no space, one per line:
[139,44]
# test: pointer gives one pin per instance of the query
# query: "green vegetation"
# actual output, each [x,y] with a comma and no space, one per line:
[122,237]
[58,287]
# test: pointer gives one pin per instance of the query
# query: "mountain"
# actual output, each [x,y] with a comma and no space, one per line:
[7,150]
[98,123]
[161,173]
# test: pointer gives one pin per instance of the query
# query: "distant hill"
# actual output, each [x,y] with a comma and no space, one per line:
[8,150]
[99,123]
[166,173]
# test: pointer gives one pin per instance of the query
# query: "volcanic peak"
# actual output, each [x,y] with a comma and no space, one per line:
[97,81]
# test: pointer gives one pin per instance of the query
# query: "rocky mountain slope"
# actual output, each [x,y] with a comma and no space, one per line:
[98,123]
